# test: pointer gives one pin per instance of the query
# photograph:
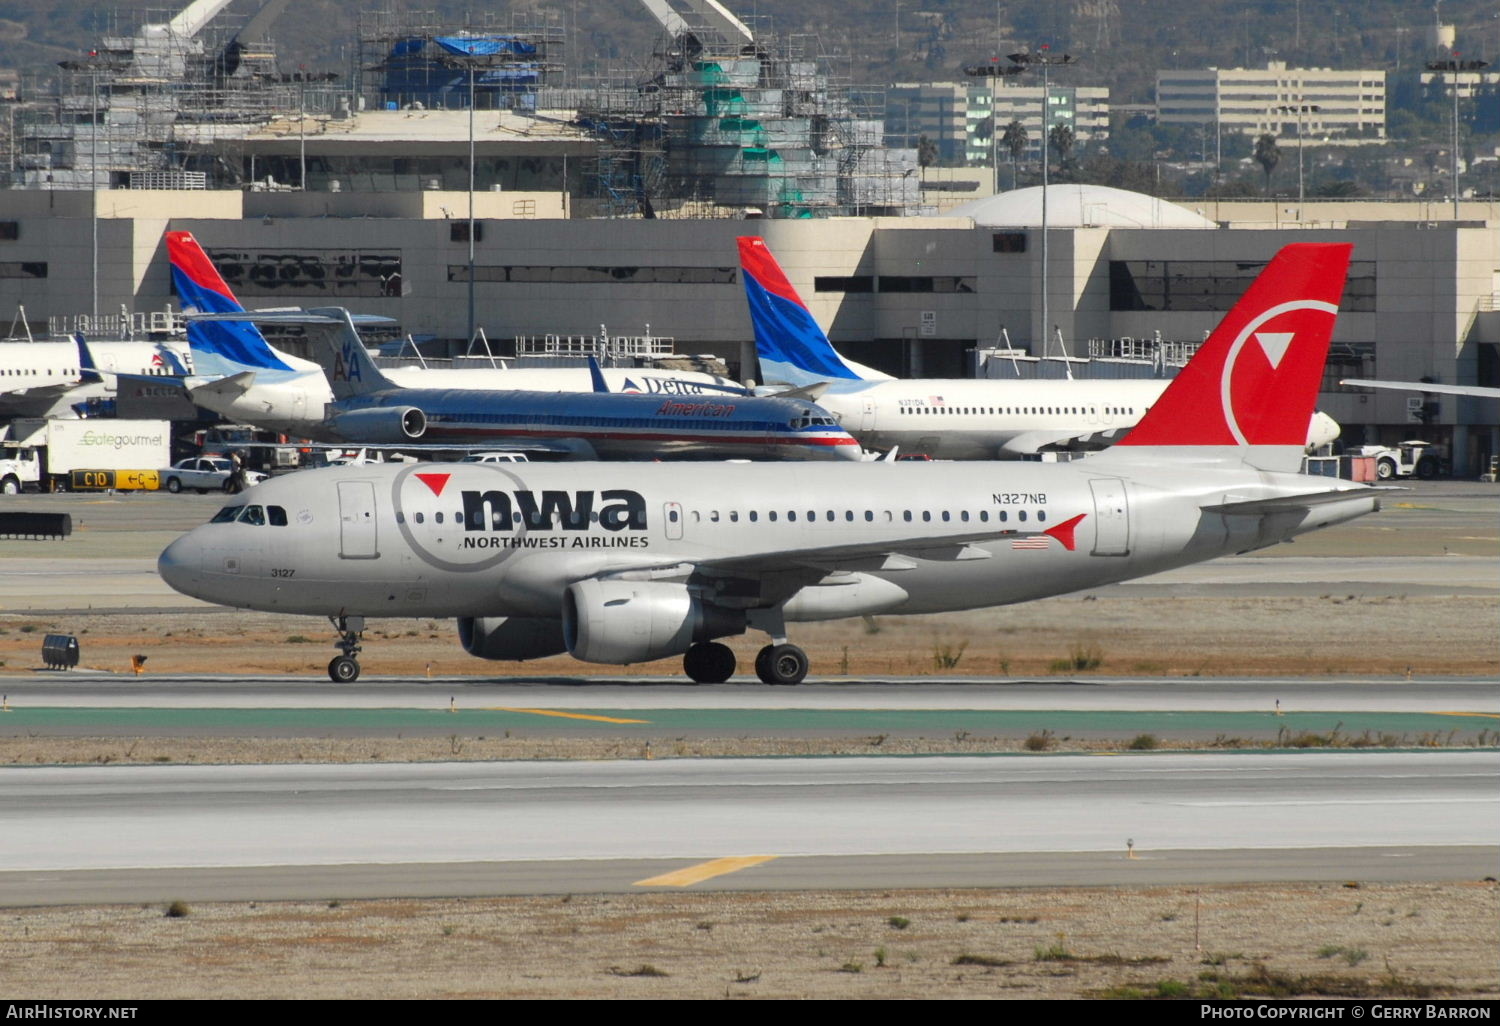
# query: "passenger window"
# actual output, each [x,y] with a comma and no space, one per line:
[437,518]
[754,516]
[1021,516]
[734,516]
[713,516]
[1041,515]
[420,518]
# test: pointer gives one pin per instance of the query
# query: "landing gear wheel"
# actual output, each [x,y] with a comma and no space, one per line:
[709,662]
[344,669]
[781,664]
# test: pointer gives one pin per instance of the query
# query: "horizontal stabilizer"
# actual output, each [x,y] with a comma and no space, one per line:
[1295,503]
[1477,391]
[231,387]
[290,317]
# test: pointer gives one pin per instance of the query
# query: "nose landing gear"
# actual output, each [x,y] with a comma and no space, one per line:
[344,669]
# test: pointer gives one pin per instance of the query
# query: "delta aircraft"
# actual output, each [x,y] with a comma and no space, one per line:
[241,377]
[46,379]
[945,418]
[629,562]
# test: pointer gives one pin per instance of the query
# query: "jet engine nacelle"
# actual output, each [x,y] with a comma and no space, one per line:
[511,637]
[636,621]
[385,425]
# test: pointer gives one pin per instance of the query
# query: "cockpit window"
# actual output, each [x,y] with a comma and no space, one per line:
[277,516]
[255,515]
[227,514]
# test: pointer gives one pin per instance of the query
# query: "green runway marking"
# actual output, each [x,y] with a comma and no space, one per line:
[1061,723]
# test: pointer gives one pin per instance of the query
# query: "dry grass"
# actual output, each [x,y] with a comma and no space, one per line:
[1436,939]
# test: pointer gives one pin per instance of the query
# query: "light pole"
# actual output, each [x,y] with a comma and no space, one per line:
[1299,109]
[1453,67]
[1046,61]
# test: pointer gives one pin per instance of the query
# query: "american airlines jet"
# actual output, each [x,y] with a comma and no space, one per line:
[629,562]
[946,418]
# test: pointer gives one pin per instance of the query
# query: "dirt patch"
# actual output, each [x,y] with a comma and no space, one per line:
[1064,637]
[1375,940]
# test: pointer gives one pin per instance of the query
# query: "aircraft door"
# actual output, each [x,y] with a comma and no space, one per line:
[357,533]
[672,520]
[1111,517]
[867,415]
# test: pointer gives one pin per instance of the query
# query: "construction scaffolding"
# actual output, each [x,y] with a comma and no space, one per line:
[140,109]
[419,61]
[734,123]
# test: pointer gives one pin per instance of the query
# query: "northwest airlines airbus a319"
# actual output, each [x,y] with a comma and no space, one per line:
[626,563]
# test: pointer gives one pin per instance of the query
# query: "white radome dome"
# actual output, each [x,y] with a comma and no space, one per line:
[1078,206]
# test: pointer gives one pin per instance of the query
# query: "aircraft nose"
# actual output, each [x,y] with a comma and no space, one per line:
[848,452]
[179,565]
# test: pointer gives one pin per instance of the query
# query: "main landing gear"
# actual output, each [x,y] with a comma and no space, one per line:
[344,669]
[781,664]
[713,663]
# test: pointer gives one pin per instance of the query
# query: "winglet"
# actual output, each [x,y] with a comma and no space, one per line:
[788,342]
[88,370]
[1063,532]
[597,376]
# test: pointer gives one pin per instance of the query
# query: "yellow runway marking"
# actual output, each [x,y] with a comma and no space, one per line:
[1488,716]
[563,715]
[704,871]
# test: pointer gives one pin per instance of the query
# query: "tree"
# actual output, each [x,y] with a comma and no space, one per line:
[1061,138]
[1015,139]
[927,154]
[1267,155]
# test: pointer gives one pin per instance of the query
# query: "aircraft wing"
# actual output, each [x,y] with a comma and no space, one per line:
[1481,391]
[874,555]
[1034,441]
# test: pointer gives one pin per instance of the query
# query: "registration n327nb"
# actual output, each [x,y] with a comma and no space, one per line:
[621,563]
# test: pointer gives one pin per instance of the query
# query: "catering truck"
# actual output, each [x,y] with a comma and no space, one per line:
[83,455]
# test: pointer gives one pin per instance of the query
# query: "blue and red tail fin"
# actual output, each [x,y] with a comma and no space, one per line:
[790,346]
[1248,393]
[220,348]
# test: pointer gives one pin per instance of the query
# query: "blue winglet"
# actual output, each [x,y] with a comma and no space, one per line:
[597,376]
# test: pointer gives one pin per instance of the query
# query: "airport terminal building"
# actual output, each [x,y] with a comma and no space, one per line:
[918,296]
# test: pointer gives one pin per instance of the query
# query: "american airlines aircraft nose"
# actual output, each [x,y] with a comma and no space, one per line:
[179,563]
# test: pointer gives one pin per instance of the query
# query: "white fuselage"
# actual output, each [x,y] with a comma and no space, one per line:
[977,418]
[41,378]
[399,541]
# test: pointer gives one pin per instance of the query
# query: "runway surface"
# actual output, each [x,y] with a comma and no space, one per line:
[1394,713]
[1409,815]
